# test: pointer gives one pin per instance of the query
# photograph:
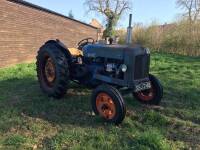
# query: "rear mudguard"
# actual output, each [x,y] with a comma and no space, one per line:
[62,47]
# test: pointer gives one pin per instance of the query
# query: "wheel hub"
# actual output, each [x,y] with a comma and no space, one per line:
[105,106]
[50,70]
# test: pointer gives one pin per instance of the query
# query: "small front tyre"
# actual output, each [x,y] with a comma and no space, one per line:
[151,96]
[108,103]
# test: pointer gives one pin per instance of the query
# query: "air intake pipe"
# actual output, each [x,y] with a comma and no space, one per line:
[129,31]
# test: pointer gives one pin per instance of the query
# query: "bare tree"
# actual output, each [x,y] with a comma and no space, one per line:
[112,10]
[191,9]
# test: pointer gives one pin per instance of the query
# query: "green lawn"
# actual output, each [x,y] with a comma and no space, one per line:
[30,120]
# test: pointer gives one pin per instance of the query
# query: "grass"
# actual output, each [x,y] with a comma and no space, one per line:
[30,120]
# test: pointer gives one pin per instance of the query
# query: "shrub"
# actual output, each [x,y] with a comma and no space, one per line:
[180,37]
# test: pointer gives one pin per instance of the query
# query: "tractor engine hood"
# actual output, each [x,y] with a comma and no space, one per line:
[112,51]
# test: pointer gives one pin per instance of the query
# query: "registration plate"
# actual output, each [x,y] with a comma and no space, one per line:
[142,86]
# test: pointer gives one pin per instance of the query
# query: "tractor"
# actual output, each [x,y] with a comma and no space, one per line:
[110,70]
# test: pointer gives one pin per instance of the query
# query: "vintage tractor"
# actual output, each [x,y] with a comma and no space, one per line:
[110,70]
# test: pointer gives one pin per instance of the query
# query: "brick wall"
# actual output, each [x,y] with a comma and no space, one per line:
[24,29]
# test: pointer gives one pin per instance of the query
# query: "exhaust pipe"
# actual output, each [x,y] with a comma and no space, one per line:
[129,31]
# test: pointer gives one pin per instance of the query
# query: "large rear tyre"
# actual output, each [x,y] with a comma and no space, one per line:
[52,70]
[151,96]
[108,103]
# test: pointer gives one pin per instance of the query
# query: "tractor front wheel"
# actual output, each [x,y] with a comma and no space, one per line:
[151,96]
[52,70]
[108,103]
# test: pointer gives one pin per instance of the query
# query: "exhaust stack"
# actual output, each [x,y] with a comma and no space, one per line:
[129,31]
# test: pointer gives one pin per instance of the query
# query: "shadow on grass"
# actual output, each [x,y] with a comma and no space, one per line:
[24,97]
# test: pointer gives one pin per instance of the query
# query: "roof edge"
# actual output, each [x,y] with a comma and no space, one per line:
[28,4]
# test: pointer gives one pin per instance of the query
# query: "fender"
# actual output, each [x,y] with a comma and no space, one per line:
[62,47]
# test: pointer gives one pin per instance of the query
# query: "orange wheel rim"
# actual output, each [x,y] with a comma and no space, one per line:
[50,72]
[147,95]
[105,106]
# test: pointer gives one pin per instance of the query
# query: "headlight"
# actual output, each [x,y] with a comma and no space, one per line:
[147,50]
[124,68]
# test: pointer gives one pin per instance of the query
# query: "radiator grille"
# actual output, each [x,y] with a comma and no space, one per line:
[142,63]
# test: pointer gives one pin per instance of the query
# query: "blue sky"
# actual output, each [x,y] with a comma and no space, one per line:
[144,11]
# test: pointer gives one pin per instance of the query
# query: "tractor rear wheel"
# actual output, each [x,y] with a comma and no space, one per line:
[52,70]
[151,96]
[108,103]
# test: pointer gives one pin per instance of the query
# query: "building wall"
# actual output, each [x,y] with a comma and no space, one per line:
[24,29]
[100,27]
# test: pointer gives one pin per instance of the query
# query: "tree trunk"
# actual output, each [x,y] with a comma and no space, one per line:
[109,31]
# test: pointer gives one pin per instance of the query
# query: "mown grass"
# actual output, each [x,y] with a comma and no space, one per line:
[30,120]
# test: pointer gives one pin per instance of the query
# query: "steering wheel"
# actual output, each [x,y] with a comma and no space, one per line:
[84,42]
